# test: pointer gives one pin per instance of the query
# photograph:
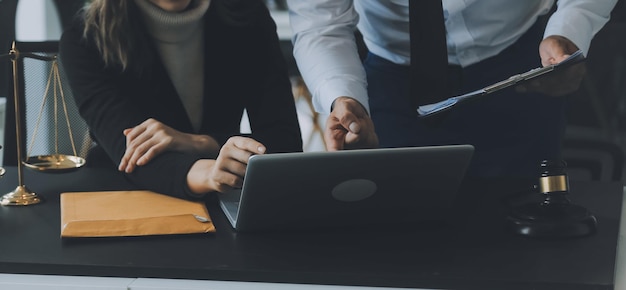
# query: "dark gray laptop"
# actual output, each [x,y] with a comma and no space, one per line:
[292,191]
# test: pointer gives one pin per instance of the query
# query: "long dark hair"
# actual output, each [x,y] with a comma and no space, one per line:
[108,24]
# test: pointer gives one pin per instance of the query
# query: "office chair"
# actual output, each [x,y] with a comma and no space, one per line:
[593,159]
[597,114]
[40,133]
[311,122]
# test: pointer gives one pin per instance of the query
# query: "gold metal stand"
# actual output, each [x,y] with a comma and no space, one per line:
[21,195]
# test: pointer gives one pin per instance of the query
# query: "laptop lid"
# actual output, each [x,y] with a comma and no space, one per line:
[291,191]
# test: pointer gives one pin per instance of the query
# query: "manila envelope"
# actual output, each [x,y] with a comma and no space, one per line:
[130,213]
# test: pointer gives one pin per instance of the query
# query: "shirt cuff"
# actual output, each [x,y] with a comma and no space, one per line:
[331,89]
[557,27]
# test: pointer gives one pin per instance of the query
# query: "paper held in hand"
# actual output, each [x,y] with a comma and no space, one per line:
[431,109]
[130,213]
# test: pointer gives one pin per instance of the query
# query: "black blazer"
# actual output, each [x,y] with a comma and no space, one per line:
[244,68]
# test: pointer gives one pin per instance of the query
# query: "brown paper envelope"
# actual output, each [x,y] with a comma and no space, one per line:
[130,213]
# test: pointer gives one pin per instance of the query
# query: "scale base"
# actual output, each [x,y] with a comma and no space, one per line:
[20,196]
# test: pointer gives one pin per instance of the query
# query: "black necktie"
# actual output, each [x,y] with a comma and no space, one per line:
[429,54]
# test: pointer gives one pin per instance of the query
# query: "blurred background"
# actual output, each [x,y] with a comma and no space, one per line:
[596,112]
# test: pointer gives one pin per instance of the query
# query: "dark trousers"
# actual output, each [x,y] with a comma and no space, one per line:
[512,132]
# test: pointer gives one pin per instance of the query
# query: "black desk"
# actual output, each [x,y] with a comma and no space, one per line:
[475,254]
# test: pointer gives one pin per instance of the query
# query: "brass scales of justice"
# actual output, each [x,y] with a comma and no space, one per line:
[50,163]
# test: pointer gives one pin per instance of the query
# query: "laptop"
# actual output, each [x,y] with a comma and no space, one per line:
[350,188]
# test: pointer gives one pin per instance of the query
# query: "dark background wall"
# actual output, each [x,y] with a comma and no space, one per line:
[66,8]
[7,34]
[601,101]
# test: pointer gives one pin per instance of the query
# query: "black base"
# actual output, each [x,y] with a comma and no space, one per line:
[551,220]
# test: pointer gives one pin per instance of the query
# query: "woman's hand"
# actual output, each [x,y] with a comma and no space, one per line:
[227,171]
[151,138]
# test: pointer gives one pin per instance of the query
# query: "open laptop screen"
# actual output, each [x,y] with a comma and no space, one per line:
[347,188]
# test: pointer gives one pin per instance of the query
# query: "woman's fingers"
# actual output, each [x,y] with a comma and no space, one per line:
[143,143]
[230,166]
[228,174]
[142,154]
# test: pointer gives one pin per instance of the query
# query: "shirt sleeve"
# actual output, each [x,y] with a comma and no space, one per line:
[579,20]
[326,52]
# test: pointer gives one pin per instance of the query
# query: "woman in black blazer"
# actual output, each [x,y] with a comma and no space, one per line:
[163,84]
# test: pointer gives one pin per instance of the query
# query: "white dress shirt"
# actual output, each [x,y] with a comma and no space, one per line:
[326,53]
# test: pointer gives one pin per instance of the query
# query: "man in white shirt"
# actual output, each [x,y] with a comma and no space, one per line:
[487,40]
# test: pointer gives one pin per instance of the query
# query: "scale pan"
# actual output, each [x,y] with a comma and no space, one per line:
[55,163]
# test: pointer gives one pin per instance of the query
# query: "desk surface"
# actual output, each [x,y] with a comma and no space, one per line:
[476,253]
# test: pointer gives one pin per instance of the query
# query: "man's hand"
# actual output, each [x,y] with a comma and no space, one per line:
[553,50]
[228,170]
[151,138]
[349,126]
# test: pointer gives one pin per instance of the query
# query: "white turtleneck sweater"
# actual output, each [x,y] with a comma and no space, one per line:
[180,43]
